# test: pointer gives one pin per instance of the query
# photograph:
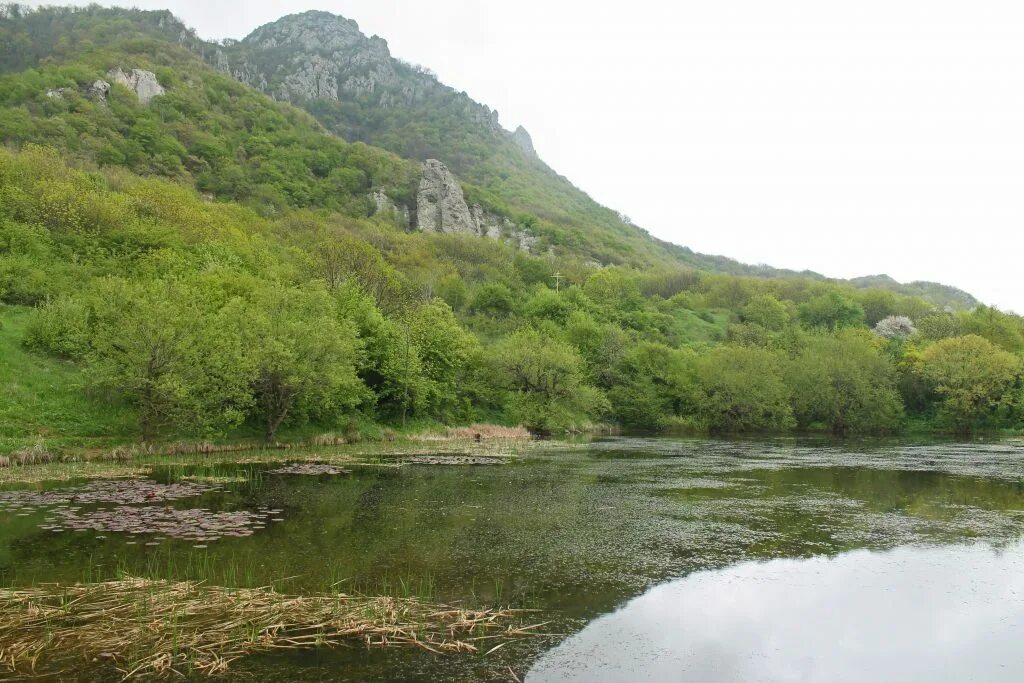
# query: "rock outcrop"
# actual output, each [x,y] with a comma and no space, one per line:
[97,91]
[441,207]
[523,140]
[385,204]
[141,82]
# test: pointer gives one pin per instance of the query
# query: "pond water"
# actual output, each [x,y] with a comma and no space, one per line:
[653,559]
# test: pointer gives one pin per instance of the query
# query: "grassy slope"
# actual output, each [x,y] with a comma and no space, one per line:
[43,397]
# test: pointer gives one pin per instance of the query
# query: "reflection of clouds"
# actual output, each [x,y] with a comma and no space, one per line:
[908,615]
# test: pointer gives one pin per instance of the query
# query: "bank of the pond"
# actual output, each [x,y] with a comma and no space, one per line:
[38,464]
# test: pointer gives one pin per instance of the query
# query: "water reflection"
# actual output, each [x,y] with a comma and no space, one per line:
[952,613]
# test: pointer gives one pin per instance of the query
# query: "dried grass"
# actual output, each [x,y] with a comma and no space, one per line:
[163,628]
[37,454]
[476,432]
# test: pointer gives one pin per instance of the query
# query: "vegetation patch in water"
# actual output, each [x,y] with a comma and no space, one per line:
[164,628]
[456,460]
[119,491]
[196,525]
[309,468]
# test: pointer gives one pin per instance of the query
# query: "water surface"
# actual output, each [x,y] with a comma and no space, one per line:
[585,533]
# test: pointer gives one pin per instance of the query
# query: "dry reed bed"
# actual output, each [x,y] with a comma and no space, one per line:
[162,628]
[476,432]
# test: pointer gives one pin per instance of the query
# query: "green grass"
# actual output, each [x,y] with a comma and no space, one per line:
[43,398]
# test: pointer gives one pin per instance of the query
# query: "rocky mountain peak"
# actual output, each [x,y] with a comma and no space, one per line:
[313,31]
[322,56]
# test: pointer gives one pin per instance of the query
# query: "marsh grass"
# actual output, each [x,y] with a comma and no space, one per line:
[166,628]
[141,461]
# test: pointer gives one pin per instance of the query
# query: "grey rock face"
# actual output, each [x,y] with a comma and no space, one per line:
[318,55]
[143,83]
[522,138]
[99,89]
[385,204]
[314,80]
[440,205]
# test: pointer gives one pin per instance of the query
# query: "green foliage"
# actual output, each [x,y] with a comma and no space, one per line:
[831,311]
[976,381]
[208,264]
[494,299]
[654,383]
[446,353]
[544,381]
[164,348]
[768,312]
[845,384]
[303,358]
[741,389]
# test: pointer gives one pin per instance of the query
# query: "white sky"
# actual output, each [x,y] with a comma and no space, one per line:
[877,136]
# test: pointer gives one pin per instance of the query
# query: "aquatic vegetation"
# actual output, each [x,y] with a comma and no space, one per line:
[456,460]
[164,628]
[119,491]
[309,468]
[197,524]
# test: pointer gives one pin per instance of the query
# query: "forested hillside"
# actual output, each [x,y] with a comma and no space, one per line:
[183,256]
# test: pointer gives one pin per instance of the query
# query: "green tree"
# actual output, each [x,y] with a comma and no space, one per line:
[543,378]
[443,350]
[304,358]
[179,362]
[740,389]
[494,299]
[844,384]
[975,379]
[653,383]
[767,311]
[831,311]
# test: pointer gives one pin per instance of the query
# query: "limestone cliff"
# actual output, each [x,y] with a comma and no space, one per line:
[441,207]
[141,82]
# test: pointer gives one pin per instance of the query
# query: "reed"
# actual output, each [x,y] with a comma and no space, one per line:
[166,628]
[476,432]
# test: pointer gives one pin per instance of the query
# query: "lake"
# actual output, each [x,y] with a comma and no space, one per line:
[650,559]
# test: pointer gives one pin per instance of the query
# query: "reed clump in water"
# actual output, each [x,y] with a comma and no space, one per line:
[165,628]
[476,432]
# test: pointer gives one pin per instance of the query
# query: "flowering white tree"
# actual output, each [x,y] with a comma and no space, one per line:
[895,327]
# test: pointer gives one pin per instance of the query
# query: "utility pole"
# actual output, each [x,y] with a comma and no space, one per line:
[558,277]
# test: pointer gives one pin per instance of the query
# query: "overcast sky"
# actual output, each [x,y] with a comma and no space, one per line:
[878,136]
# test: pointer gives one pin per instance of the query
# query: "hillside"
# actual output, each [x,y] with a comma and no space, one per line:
[189,257]
[353,86]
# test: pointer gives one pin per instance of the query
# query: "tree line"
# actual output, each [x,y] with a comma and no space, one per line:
[207,317]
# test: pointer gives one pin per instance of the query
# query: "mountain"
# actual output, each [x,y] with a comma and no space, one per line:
[351,83]
[354,88]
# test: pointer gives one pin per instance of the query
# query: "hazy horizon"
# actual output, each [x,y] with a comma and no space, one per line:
[877,138]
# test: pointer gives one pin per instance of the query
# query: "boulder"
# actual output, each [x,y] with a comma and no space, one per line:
[141,82]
